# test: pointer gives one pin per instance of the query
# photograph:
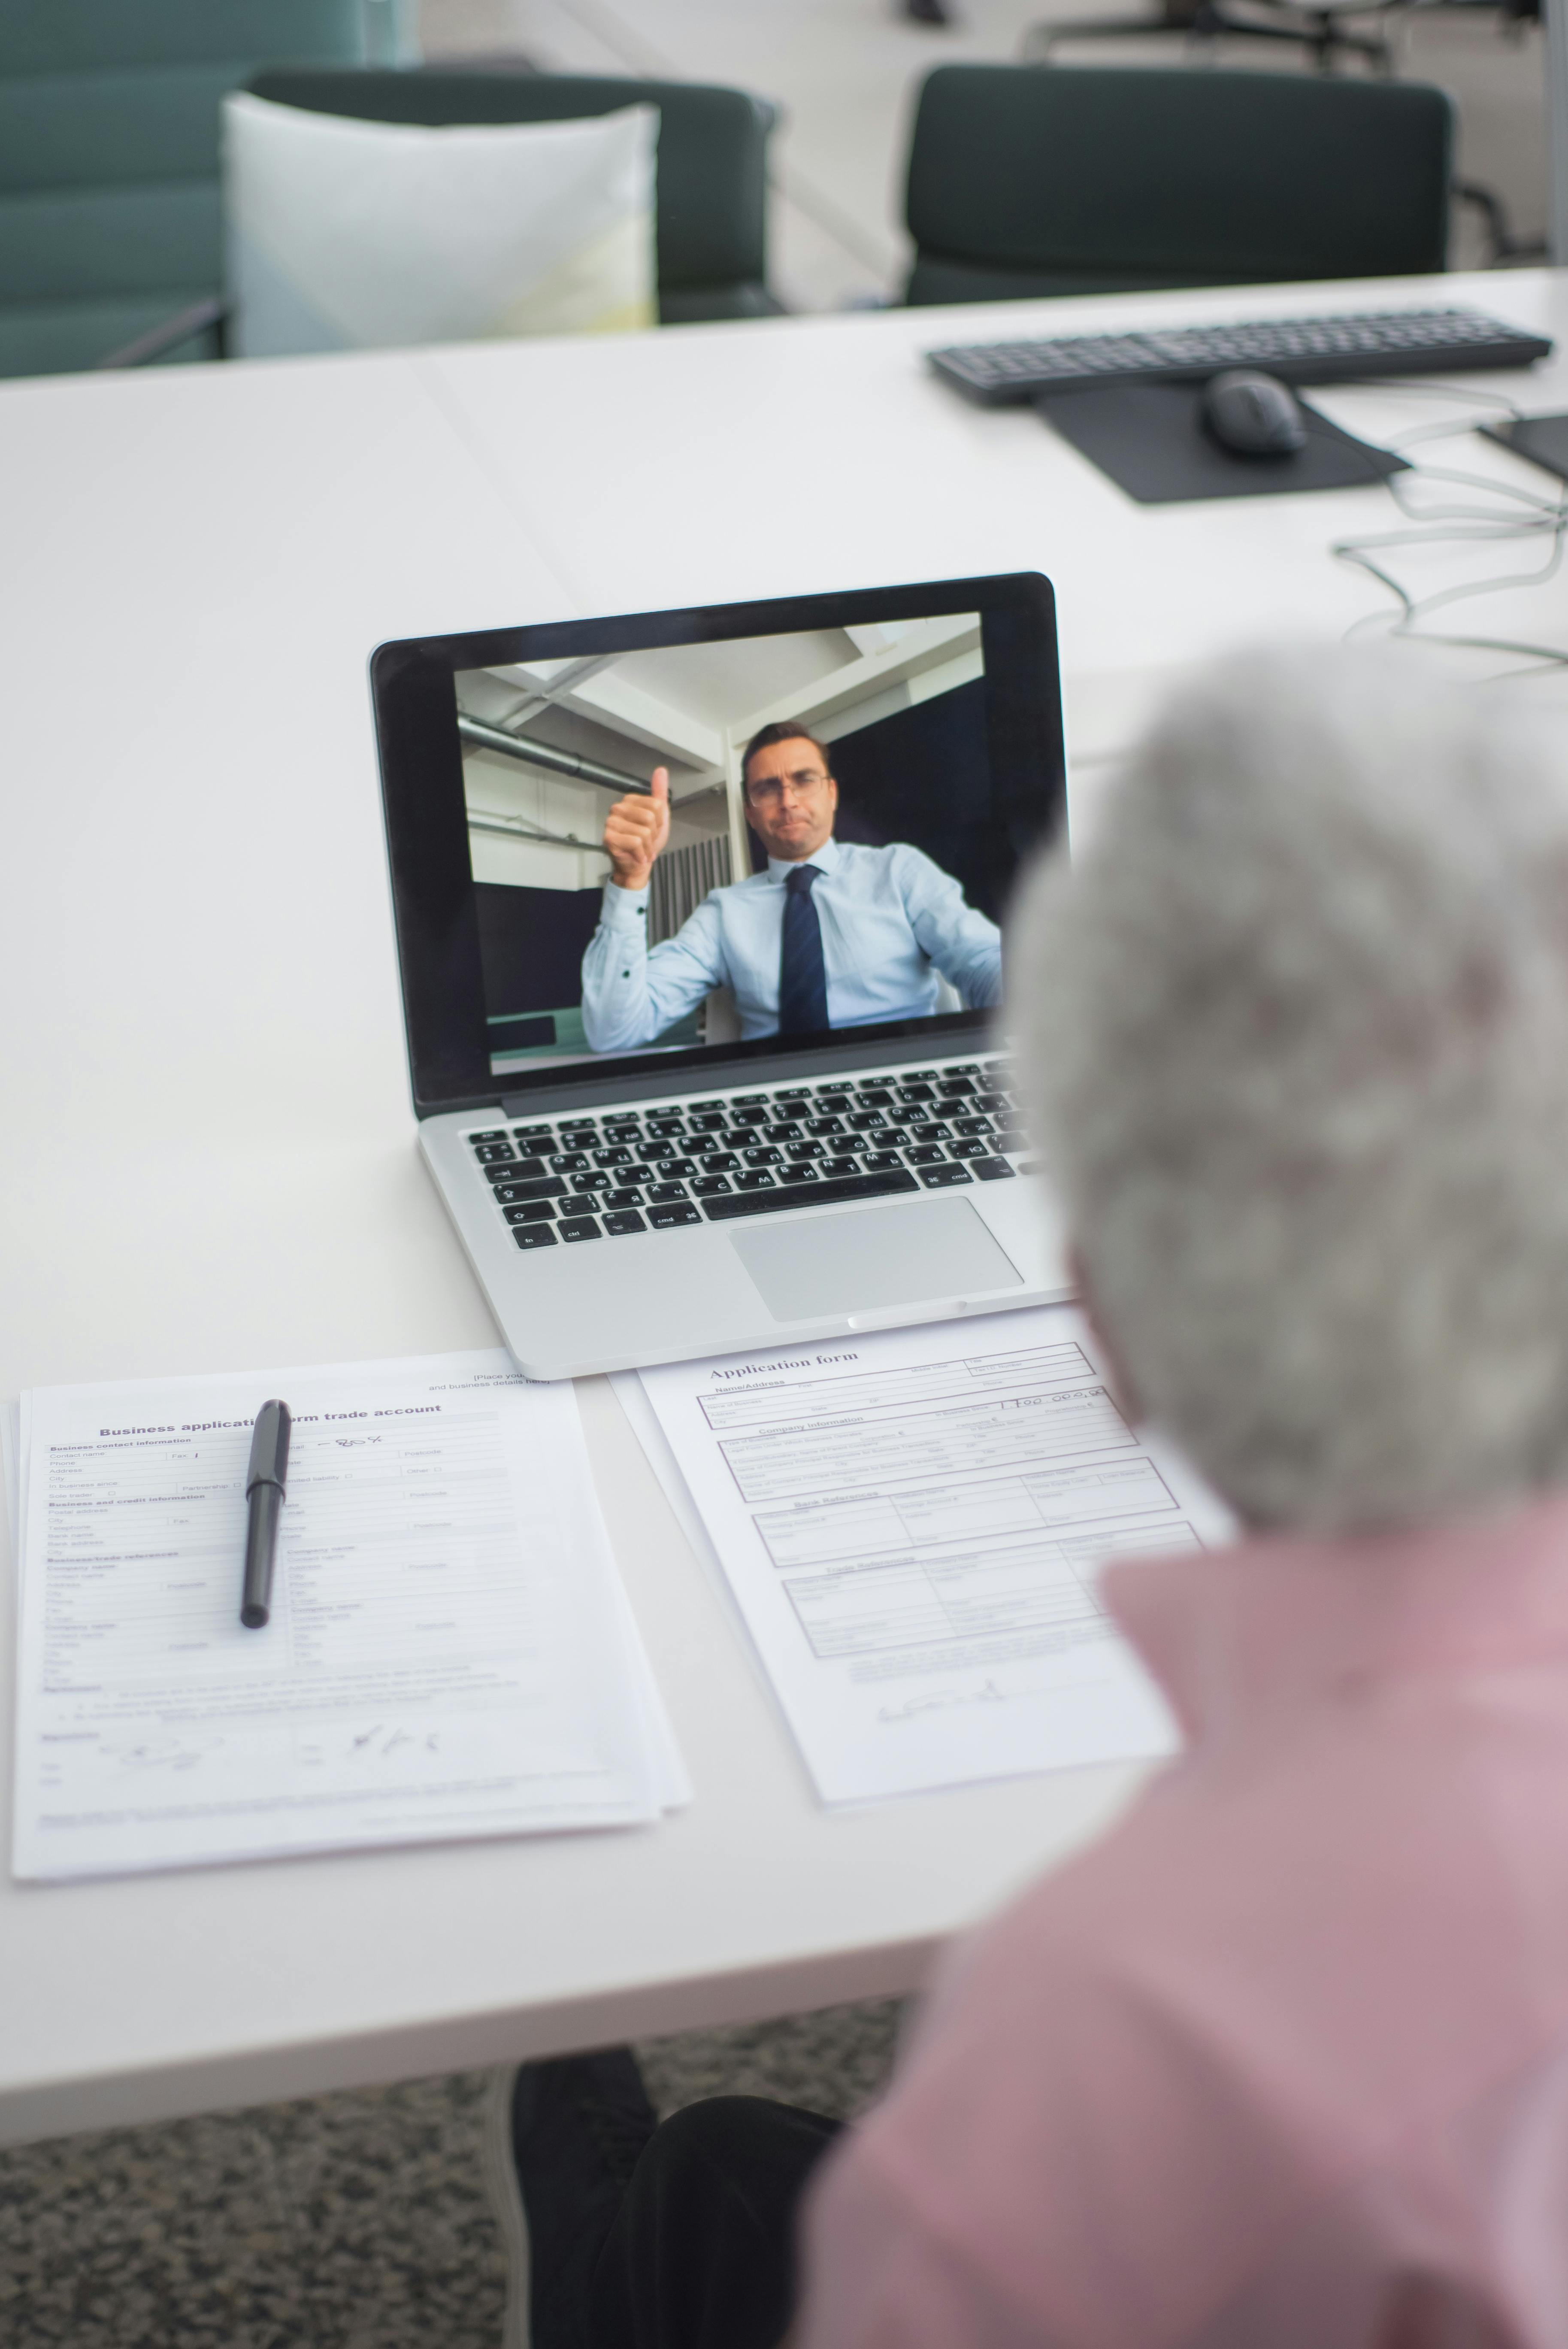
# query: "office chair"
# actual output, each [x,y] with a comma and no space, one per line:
[711,204]
[1085,180]
[1319,29]
[110,225]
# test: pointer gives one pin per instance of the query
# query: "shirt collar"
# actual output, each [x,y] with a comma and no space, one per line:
[826,856]
[1279,1623]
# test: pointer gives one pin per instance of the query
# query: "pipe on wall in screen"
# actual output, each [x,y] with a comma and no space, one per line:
[545,754]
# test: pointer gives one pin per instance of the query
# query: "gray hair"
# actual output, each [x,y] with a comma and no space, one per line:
[1294,1034]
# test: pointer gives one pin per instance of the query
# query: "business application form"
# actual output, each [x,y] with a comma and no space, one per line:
[911,1523]
[450,1654]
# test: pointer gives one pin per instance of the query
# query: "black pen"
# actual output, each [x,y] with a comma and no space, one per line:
[264,1483]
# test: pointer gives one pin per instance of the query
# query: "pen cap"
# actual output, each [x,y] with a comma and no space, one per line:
[270,1447]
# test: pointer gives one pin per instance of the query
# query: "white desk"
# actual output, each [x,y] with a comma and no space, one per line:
[209,1155]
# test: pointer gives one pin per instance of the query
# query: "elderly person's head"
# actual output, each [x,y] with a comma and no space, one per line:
[1294,1032]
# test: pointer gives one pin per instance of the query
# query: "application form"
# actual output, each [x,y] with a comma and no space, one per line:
[911,1523]
[450,1652]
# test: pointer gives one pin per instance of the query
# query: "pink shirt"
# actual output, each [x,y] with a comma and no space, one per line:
[1282,2062]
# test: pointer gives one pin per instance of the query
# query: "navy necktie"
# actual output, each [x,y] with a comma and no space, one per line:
[802,976]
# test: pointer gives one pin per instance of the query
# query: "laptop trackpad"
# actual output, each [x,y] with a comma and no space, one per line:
[873,1255]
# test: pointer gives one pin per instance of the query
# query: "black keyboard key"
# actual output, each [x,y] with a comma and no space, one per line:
[597,1178]
[578,1137]
[929,1129]
[650,1153]
[534,1235]
[722,1162]
[664,1219]
[623,1199]
[963,1068]
[926,1153]
[750,1116]
[824,1125]
[666,1125]
[939,1178]
[579,1227]
[747,1100]
[709,1122]
[955,1088]
[974,1147]
[534,1137]
[874,1097]
[989,1104]
[834,1104]
[764,1156]
[788,1130]
[623,1133]
[665,1192]
[992,1170]
[798,1152]
[793,1092]
[569,1162]
[708,1187]
[816,1195]
[920,1076]
[908,1093]
[618,1225]
[881,1161]
[498,1135]
[532,1211]
[490,1153]
[616,1155]
[972,1125]
[796,1174]
[547,1187]
[759,1180]
[675,1169]
[515,1170]
[831,1166]
[865,1120]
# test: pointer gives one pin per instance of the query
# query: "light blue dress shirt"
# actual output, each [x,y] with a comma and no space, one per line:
[891,919]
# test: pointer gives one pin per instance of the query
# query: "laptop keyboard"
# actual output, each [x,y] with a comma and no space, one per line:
[565,1180]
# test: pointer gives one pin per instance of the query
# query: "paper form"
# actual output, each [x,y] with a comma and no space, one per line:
[911,1523]
[448,1653]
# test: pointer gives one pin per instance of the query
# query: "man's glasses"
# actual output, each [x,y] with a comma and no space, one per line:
[768,790]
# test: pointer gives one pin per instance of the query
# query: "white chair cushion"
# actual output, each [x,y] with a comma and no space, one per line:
[345,235]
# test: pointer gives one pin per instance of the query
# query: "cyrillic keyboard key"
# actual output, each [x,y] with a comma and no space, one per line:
[708,1187]
[759,1180]
[939,1178]
[548,1186]
[628,1198]
[664,1219]
[796,1174]
[666,1191]
[813,1194]
[490,1153]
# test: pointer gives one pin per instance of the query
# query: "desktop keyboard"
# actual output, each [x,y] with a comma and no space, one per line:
[1297,350]
[668,1163]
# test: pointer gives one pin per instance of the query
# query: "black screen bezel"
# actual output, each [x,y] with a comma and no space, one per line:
[413,699]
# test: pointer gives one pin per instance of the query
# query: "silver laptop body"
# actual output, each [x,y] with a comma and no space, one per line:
[707,1190]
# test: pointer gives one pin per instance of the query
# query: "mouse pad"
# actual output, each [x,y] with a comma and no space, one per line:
[1150,438]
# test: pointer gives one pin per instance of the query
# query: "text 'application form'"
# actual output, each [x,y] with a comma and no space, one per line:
[911,1523]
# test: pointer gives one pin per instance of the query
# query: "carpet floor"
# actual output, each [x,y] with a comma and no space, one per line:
[353,2221]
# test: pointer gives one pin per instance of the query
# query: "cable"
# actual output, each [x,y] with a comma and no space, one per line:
[1525,514]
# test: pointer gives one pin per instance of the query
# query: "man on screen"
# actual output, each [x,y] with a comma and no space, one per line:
[832,935]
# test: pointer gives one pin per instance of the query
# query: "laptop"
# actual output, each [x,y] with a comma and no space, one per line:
[680,1094]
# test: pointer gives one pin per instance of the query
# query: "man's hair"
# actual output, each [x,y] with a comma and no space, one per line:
[1295,1033]
[782,730]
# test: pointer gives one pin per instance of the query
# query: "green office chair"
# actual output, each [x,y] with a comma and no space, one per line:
[1028,179]
[712,201]
[110,225]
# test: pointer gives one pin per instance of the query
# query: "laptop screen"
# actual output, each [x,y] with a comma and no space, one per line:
[741,842]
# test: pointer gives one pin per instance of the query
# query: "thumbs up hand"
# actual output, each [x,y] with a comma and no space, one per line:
[635,829]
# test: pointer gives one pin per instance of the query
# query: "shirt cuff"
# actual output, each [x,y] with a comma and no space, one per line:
[624,910]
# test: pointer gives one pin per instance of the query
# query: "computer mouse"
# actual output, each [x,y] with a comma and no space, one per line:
[1254,415]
